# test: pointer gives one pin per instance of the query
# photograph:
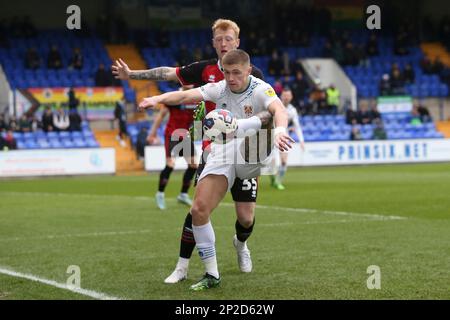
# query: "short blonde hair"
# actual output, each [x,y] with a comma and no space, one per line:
[225,24]
[236,56]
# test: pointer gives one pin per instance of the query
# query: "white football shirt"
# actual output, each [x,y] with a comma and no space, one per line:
[256,98]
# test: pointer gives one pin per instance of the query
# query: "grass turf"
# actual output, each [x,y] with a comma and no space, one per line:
[110,227]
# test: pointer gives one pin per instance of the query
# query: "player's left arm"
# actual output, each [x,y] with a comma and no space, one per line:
[282,139]
[299,131]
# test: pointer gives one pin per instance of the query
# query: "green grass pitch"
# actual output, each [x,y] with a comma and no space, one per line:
[315,240]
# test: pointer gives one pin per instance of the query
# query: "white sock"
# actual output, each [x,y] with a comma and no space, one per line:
[205,240]
[248,126]
[240,245]
[183,263]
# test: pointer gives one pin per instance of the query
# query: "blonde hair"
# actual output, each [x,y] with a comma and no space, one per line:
[236,56]
[225,24]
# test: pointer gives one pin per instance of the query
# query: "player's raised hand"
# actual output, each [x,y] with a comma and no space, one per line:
[149,102]
[283,141]
[120,70]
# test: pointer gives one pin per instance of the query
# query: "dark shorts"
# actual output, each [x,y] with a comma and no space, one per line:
[242,190]
[182,148]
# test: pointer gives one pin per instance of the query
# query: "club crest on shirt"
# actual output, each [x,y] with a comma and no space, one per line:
[270,92]
[212,78]
[248,110]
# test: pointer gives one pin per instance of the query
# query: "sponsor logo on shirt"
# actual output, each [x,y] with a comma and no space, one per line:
[270,92]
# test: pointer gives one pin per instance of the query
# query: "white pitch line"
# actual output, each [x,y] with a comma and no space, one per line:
[78,235]
[275,208]
[85,292]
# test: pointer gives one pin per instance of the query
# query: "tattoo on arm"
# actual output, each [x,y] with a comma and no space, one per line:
[158,74]
[266,118]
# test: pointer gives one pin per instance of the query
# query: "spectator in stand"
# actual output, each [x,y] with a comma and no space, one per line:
[252,45]
[350,55]
[409,74]
[318,99]
[9,142]
[374,114]
[102,77]
[2,143]
[13,126]
[397,83]
[426,65]
[286,81]
[327,51]
[73,100]
[24,123]
[54,60]
[333,96]
[47,120]
[209,52]
[278,86]
[415,117]
[184,56]
[32,59]
[363,115]
[385,85]
[141,142]
[287,65]
[74,120]
[401,42]
[198,54]
[424,113]
[355,134]
[351,116]
[299,88]
[372,46]
[378,132]
[35,124]
[275,64]
[3,125]
[121,116]
[61,120]
[77,59]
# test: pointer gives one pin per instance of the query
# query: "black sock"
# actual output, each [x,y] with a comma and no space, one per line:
[243,233]
[164,178]
[187,179]
[187,243]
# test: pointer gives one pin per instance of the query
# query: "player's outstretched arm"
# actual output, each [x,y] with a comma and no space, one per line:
[121,71]
[282,139]
[299,132]
[151,138]
[172,98]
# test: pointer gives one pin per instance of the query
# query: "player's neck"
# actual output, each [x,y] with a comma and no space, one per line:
[244,88]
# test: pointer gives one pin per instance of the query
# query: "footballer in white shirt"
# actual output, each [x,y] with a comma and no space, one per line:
[251,100]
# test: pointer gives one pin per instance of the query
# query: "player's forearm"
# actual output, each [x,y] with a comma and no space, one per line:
[156,74]
[280,117]
[159,118]
[299,131]
[174,98]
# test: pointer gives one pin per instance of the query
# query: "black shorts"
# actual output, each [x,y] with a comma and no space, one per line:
[242,190]
[175,148]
